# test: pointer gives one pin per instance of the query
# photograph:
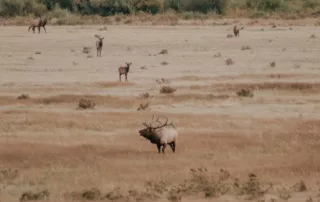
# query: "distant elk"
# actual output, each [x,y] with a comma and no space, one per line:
[99,44]
[236,30]
[124,70]
[38,23]
[161,135]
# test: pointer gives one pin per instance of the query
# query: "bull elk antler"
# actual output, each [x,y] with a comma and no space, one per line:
[160,124]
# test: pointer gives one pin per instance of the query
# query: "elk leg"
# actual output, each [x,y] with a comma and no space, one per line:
[158,146]
[163,148]
[120,77]
[33,28]
[44,29]
[173,146]
[126,77]
[39,29]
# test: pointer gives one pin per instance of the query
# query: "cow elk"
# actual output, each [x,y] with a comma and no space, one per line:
[99,44]
[124,70]
[38,23]
[236,30]
[161,135]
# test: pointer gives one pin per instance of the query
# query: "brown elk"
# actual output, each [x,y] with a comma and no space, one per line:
[99,44]
[236,30]
[124,70]
[38,23]
[161,135]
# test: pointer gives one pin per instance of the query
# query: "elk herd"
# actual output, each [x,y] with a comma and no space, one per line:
[162,134]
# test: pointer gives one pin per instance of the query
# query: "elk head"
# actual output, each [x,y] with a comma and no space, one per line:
[149,130]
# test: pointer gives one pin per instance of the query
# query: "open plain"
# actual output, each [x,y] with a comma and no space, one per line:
[50,150]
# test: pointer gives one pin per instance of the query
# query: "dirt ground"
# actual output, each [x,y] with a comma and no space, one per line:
[46,143]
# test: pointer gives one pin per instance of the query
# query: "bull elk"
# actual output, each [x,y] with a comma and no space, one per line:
[161,135]
[124,70]
[38,23]
[236,30]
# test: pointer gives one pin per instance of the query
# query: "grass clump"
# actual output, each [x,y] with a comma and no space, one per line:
[86,104]
[30,196]
[245,48]
[163,52]
[143,107]
[273,64]
[229,61]
[23,97]
[167,90]
[245,93]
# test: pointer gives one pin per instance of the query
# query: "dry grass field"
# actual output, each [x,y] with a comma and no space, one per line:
[258,115]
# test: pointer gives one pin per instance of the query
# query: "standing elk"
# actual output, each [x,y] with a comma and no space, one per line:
[236,30]
[124,70]
[161,135]
[99,44]
[38,23]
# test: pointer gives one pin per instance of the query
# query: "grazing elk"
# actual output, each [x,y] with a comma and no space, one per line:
[236,30]
[124,70]
[161,135]
[38,23]
[99,44]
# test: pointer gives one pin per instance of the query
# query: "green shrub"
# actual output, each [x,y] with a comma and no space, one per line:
[11,7]
[205,6]
[32,7]
[311,4]
[149,6]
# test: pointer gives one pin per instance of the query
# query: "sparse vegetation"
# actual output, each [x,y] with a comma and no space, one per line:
[34,196]
[245,93]
[86,50]
[164,63]
[167,89]
[273,64]
[245,48]
[143,107]
[229,61]
[217,55]
[163,52]
[86,104]
[23,97]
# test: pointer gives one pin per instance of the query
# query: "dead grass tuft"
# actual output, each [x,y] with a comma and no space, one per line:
[217,55]
[143,107]
[167,89]
[299,186]
[229,61]
[273,64]
[23,97]
[86,104]
[245,93]
[164,63]
[30,196]
[313,36]
[245,48]
[230,36]
[8,174]
[163,52]
[86,50]
[145,95]
[162,81]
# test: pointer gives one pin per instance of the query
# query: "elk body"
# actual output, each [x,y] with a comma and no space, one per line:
[99,45]
[38,23]
[161,135]
[124,70]
[236,30]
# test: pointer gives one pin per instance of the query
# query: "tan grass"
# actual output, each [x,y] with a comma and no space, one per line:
[286,86]
[113,84]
